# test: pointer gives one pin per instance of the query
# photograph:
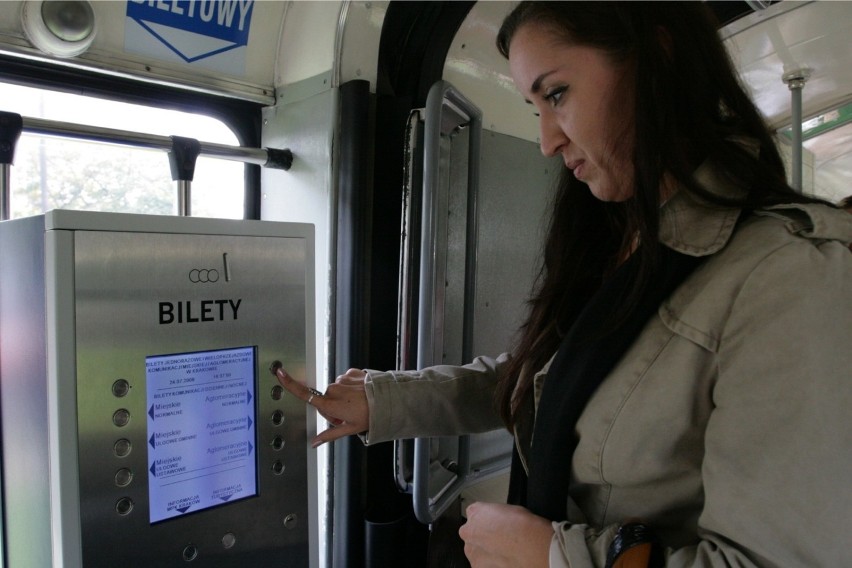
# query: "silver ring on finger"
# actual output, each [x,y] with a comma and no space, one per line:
[314,392]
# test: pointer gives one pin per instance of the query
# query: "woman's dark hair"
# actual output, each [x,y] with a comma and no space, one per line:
[689,106]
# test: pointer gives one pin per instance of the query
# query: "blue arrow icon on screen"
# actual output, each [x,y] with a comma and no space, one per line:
[154,469]
[152,442]
[248,397]
[151,412]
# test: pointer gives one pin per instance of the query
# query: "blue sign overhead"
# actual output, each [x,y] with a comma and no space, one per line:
[195,29]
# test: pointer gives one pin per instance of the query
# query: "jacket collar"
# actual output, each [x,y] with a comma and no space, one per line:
[693,226]
[696,227]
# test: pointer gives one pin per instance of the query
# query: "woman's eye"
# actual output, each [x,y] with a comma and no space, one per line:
[553,97]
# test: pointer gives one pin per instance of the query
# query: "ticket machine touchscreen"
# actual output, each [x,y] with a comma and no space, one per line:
[201,430]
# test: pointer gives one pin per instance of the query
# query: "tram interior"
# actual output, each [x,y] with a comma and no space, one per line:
[327,106]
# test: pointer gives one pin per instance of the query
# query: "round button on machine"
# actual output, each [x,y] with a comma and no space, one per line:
[229,540]
[121,417]
[122,448]
[123,506]
[190,552]
[120,388]
[123,477]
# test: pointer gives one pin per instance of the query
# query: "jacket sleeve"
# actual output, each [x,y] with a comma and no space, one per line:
[777,446]
[443,400]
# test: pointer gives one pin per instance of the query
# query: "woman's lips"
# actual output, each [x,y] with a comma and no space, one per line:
[576,167]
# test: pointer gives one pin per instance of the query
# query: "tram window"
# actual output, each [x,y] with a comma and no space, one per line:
[61,173]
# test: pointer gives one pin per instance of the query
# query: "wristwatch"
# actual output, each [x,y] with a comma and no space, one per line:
[635,546]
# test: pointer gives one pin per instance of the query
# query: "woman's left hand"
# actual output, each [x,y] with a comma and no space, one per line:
[497,535]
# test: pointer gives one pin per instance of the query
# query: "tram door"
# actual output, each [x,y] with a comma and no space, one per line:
[473,205]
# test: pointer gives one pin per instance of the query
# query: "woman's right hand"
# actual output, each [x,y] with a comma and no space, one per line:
[344,403]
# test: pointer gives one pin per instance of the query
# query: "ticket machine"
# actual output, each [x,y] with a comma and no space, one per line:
[140,425]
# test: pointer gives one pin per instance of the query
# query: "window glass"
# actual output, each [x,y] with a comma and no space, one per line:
[63,173]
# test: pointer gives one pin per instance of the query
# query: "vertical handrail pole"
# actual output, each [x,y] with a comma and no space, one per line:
[795,81]
[184,198]
[796,109]
[11,126]
[5,183]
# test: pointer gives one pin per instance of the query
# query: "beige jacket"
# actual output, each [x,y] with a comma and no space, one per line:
[726,424]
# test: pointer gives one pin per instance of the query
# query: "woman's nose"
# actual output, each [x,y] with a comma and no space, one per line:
[552,137]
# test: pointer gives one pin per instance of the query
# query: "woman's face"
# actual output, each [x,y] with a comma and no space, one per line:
[585,114]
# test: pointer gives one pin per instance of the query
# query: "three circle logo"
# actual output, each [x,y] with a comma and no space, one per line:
[203,275]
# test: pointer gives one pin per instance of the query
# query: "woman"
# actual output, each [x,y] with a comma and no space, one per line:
[685,359]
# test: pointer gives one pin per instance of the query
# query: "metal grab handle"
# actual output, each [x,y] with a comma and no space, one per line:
[267,157]
[446,109]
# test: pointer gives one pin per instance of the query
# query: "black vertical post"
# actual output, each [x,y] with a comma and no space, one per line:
[351,321]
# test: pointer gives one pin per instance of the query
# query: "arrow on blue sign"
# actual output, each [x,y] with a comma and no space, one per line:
[195,30]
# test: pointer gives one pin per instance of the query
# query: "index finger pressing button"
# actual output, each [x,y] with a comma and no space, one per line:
[296,388]
[275,366]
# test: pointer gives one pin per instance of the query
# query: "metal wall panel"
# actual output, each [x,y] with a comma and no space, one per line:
[516,185]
